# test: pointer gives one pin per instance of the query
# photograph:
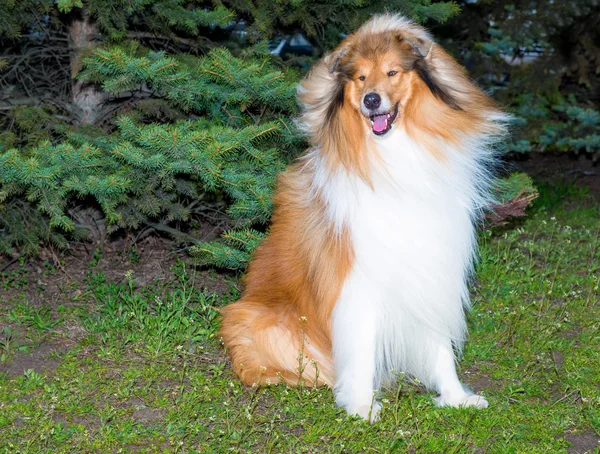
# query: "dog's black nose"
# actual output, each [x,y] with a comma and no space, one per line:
[372,101]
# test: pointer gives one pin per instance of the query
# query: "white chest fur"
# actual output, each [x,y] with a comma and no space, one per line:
[414,240]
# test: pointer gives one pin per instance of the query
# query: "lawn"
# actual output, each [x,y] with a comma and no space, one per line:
[114,363]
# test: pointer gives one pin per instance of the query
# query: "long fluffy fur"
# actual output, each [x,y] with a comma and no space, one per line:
[364,273]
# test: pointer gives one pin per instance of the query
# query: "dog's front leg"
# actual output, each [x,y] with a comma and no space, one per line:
[452,392]
[354,323]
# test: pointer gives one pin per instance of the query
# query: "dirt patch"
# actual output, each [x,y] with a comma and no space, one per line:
[583,442]
[60,279]
[477,377]
[142,413]
[90,422]
[145,414]
[479,380]
[150,260]
[559,359]
[479,383]
[571,334]
[41,360]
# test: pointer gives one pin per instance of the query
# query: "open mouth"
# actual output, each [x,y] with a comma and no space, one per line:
[382,123]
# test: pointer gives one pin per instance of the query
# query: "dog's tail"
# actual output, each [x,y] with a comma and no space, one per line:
[270,343]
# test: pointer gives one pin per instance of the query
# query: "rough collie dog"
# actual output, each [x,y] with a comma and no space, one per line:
[364,273]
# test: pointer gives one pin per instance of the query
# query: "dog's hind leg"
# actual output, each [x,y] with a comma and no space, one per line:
[267,345]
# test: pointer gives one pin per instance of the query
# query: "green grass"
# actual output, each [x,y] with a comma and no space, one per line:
[146,372]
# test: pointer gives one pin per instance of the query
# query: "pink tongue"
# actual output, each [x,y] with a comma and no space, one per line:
[379,123]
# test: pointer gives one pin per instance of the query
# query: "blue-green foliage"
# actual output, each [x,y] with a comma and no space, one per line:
[501,43]
[155,174]
[563,125]
[142,173]
[113,15]
[222,86]
[541,60]
[234,253]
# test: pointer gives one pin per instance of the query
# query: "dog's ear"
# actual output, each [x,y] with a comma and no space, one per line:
[421,47]
[335,58]
[437,88]
[424,66]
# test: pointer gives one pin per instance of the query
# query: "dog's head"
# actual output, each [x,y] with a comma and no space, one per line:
[379,73]
[391,74]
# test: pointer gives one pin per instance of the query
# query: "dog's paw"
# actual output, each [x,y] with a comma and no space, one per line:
[466,400]
[367,412]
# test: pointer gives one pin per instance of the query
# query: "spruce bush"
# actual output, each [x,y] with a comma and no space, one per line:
[155,174]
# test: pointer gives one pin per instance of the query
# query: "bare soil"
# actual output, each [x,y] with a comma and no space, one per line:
[583,442]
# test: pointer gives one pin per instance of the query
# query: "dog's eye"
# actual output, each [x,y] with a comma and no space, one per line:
[392,73]
[361,77]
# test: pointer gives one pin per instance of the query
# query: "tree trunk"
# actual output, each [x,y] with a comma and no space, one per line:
[86,99]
